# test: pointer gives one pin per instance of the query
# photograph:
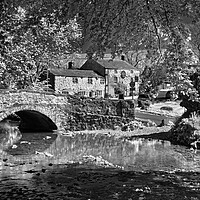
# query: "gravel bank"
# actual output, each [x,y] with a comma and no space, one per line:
[118,133]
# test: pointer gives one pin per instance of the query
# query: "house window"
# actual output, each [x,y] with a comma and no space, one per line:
[98,93]
[115,71]
[90,81]
[102,81]
[136,78]
[81,93]
[75,80]
[123,74]
[131,71]
[115,79]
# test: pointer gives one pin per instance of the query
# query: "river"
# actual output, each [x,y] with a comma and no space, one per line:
[97,166]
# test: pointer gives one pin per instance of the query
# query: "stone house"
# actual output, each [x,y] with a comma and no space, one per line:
[74,81]
[120,76]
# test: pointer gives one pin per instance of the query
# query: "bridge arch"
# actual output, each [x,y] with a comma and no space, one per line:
[53,113]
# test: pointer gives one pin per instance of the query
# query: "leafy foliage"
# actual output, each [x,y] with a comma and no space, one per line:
[186,131]
[37,33]
[32,43]
[163,28]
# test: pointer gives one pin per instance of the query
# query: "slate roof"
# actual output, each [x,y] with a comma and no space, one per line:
[74,73]
[114,64]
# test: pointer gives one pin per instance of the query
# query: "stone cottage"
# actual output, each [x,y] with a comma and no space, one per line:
[120,76]
[74,81]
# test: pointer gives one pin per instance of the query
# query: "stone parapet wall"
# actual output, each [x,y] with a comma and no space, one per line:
[9,98]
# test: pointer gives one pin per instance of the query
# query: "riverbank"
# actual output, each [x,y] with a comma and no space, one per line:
[162,132]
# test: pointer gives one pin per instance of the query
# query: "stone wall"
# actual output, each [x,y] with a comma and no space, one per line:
[10,98]
[82,121]
[101,106]
[92,114]
[53,111]
[48,104]
[96,86]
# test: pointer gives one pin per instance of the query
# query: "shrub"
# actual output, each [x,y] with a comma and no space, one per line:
[185,131]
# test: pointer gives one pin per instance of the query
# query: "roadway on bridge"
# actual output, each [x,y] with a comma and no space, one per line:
[154,113]
[153,117]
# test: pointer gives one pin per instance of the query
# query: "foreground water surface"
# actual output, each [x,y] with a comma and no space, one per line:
[97,166]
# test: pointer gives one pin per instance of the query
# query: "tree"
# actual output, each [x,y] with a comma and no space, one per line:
[133,24]
[32,44]
[161,28]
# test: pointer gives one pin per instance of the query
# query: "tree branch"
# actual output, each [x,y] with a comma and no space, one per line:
[155,28]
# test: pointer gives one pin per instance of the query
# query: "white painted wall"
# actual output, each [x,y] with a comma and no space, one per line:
[130,74]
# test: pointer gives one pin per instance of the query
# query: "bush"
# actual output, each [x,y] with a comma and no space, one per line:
[186,130]
[183,134]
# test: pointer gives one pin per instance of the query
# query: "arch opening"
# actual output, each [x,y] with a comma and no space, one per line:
[31,121]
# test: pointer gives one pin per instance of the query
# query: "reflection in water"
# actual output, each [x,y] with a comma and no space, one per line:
[138,154]
[24,176]
[8,135]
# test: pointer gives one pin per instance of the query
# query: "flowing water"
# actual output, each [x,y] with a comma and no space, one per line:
[96,166]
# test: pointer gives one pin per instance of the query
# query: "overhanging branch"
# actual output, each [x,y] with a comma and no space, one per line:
[156,29]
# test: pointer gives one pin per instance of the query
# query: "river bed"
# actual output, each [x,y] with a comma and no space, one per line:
[98,166]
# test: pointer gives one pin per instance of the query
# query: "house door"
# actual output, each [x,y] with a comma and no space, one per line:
[91,94]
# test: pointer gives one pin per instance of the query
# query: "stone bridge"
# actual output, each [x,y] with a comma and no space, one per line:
[29,106]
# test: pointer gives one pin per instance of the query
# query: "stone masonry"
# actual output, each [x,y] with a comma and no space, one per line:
[50,105]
